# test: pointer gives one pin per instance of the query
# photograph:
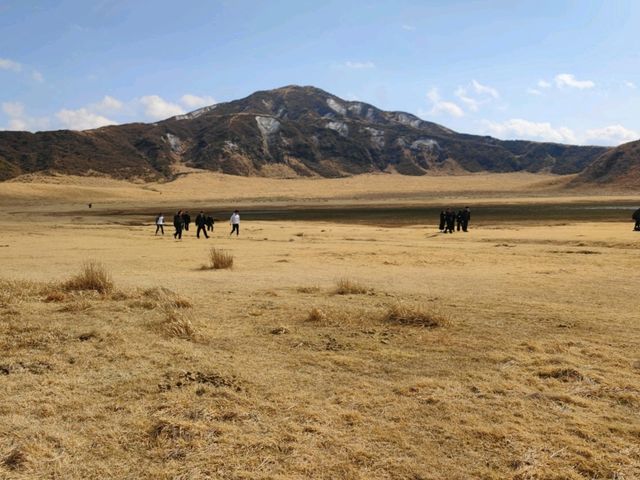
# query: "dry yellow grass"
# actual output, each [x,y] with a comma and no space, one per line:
[348,286]
[182,374]
[219,259]
[93,276]
[414,315]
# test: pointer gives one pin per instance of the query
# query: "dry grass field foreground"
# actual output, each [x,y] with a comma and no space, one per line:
[327,351]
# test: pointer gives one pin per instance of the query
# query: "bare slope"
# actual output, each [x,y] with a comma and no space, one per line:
[616,167]
[290,131]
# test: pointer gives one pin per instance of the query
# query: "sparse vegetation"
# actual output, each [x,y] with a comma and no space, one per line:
[178,323]
[75,306]
[347,286]
[414,315]
[93,276]
[316,315]
[312,289]
[219,259]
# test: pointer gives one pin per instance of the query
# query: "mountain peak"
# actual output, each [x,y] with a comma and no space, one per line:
[288,131]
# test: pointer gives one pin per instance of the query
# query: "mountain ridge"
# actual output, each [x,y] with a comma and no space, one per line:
[288,131]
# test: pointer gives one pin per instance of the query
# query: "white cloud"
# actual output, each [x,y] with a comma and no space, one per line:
[484,89]
[569,80]
[517,128]
[18,125]
[37,76]
[544,84]
[194,101]
[471,103]
[359,65]
[19,120]
[156,108]
[82,119]
[108,104]
[6,64]
[611,135]
[534,91]
[482,94]
[630,84]
[13,109]
[440,106]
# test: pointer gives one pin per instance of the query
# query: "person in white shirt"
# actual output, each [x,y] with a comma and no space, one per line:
[235,222]
[160,224]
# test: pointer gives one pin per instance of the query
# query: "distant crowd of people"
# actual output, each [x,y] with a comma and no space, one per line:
[449,220]
[203,222]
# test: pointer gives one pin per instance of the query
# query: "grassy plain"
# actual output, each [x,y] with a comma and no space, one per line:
[310,357]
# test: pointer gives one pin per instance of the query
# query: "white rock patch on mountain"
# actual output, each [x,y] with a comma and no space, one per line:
[425,143]
[267,125]
[336,107]
[339,127]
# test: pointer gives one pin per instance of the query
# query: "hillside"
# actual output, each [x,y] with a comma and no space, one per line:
[286,132]
[619,166]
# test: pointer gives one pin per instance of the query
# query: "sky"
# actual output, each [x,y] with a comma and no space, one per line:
[560,71]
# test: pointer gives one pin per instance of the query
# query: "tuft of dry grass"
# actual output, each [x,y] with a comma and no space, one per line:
[347,286]
[219,259]
[316,315]
[312,289]
[415,315]
[178,324]
[160,296]
[92,277]
[55,296]
[77,306]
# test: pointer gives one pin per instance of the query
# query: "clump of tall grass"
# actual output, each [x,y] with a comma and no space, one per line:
[92,277]
[178,323]
[219,259]
[316,315]
[347,286]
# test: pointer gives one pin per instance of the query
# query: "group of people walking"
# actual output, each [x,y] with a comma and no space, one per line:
[449,220]
[204,223]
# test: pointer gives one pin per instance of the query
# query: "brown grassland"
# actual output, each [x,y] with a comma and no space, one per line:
[329,350]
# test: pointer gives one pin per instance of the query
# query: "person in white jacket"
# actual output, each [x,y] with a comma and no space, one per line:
[160,224]
[235,222]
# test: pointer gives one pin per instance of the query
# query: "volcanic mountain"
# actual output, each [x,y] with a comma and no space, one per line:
[289,131]
[618,166]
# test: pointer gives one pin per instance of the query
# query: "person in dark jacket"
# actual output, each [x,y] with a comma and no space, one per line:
[210,222]
[459,220]
[636,217]
[186,220]
[450,219]
[178,223]
[466,217]
[201,223]
[442,220]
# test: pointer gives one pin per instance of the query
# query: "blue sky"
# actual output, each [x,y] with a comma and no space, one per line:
[564,71]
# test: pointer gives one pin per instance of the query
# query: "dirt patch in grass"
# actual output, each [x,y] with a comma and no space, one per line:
[562,374]
[414,315]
